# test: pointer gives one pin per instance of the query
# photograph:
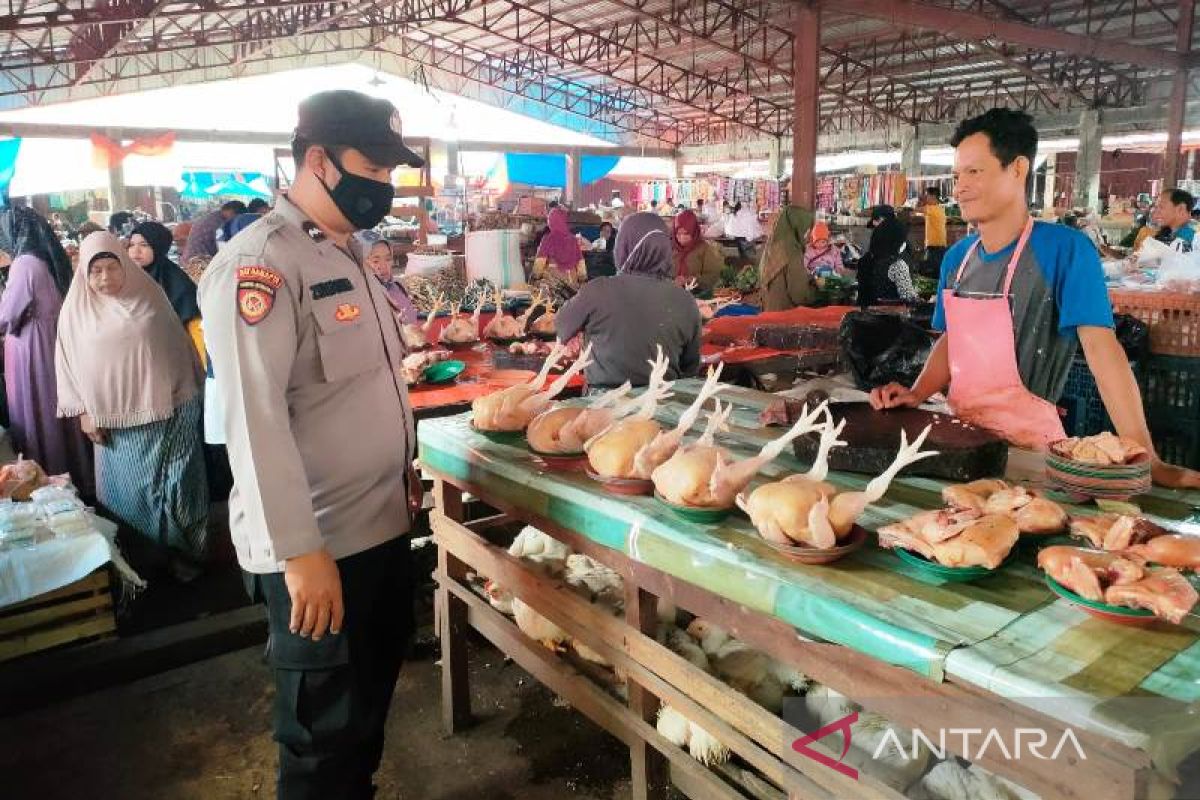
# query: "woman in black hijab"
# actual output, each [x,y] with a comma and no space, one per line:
[888,238]
[149,244]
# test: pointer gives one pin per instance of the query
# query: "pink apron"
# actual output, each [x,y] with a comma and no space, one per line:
[985,383]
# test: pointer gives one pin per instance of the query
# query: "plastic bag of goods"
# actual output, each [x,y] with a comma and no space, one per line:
[427,263]
[1153,251]
[1180,272]
[496,257]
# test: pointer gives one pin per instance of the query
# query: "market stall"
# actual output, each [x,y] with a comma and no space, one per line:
[1001,654]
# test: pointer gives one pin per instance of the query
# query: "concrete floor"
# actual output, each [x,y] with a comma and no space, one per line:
[202,732]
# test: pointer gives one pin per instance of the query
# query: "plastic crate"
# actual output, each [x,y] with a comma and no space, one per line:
[1174,319]
[1177,442]
[1171,388]
[1082,407]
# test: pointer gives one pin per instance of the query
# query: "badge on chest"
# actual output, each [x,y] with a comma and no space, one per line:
[256,288]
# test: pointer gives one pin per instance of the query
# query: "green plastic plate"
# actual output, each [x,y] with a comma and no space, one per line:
[1096,605]
[444,371]
[942,572]
[694,513]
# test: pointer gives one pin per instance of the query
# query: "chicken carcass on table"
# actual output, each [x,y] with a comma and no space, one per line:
[414,364]
[1032,513]
[416,335]
[1163,591]
[503,326]
[962,538]
[1114,531]
[665,443]
[555,431]
[513,408]
[805,510]
[1088,572]
[612,451]
[462,330]
[1172,550]
[703,475]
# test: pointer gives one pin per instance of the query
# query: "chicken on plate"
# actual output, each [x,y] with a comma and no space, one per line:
[1172,550]
[1163,591]
[513,408]
[414,364]
[1032,513]
[503,326]
[1114,531]
[612,452]
[461,329]
[1103,449]
[416,335]
[1088,572]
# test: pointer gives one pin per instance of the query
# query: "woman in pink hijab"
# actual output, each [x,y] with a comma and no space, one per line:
[559,251]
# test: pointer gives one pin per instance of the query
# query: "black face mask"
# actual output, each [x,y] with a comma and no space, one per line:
[362,201]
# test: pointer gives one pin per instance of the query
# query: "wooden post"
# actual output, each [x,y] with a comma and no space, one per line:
[650,775]
[1179,92]
[452,621]
[806,25]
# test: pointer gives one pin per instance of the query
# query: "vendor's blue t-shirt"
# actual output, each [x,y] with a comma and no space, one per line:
[1058,286]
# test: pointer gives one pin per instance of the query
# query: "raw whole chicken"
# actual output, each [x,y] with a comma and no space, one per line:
[1175,550]
[1114,531]
[804,510]
[1033,514]
[1164,591]
[558,430]
[544,325]
[1103,449]
[413,365]
[703,475]
[982,542]
[611,452]
[462,330]
[503,326]
[664,445]
[1087,572]
[416,335]
[512,409]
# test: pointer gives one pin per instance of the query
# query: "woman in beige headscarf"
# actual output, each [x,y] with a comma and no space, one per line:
[127,370]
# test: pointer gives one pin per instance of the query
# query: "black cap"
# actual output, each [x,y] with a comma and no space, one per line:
[370,125]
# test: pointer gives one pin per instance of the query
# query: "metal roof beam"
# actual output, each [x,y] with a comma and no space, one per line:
[969,25]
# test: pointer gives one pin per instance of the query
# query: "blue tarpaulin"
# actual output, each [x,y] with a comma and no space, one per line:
[204,185]
[551,170]
[8,166]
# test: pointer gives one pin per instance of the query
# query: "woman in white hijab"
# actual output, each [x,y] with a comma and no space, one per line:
[127,370]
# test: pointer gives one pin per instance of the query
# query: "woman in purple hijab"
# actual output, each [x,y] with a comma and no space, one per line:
[559,250]
[37,282]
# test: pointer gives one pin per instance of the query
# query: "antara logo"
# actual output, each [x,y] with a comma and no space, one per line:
[801,745]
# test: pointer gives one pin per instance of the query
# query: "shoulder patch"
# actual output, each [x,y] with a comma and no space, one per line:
[256,287]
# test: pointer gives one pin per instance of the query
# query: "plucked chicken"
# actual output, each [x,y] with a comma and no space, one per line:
[982,542]
[1174,550]
[544,325]
[664,445]
[1114,531]
[462,330]
[1102,449]
[554,431]
[611,452]
[703,475]
[413,365]
[512,409]
[416,335]
[1087,572]
[1164,591]
[804,510]
[1033,514]
[503,326]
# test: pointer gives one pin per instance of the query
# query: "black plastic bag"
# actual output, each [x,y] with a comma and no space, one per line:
[1134,336]
[881,348]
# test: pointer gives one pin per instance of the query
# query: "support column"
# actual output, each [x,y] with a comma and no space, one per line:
[910,151]
[775,158]
[1189,169]
[806,27]
[1087,165]
[1179,90]
[1048,211]
[117,200]
[574,178]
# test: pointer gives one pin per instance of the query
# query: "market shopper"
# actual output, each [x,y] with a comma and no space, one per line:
[607,239]
[783,279]
[149,248]
[306,354]
[558,252]
[1172,212]
[38,279]
[624,317]
[742,226]
[202,238]
[935,231]
[126,370]
[883,273]
[1016,301]
[695,257]
[821,258]
[376,253]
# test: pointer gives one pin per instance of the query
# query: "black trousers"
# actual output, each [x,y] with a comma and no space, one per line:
[332,696]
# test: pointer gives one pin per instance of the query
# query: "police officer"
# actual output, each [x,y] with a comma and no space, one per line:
[306,354]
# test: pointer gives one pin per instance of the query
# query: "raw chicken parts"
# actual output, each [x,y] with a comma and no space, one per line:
[513,408]
[1033,514]
[1180,552]
[414,364]
[1103,449]
[1164,592]
[1114,531]
[955,541]
[1087,572]
[805,510]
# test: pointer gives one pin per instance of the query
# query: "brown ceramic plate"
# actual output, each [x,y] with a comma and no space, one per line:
[815,555]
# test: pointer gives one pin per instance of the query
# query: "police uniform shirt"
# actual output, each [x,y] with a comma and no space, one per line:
[306,354]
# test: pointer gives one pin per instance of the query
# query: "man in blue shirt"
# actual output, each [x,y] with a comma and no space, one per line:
[1173,211]
[1016,300]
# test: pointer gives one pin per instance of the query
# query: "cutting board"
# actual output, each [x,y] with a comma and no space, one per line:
[966,452]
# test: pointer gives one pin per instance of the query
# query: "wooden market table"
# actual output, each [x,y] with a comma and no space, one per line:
[1003,653]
